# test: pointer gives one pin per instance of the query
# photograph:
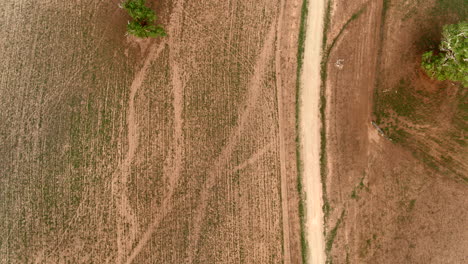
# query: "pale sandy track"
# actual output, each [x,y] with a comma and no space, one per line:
[172,169]
[120,180]
[310,132]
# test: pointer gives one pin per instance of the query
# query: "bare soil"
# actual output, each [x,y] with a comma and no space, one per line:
[172,150]
[392,201]
[310,132]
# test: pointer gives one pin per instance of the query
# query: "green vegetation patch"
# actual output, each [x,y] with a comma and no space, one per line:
[450,61]
[358,188]
[300,189]
[456,7]
[143,23]
[401,100]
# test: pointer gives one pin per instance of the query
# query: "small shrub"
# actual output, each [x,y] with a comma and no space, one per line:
[143,24]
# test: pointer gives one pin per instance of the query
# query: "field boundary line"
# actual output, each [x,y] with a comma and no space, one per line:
[300,59]
[282,155]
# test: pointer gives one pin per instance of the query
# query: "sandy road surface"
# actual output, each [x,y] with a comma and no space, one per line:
[310,131]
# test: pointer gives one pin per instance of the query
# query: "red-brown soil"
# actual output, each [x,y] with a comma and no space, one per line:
[389,204]
[172,150]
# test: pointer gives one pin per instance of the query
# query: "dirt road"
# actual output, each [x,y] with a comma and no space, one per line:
[310,131]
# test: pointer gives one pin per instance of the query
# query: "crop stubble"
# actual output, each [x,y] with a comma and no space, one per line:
[117,150]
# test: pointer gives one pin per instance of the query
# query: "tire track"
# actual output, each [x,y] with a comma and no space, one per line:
[283,176]
[125,214]
[254,158]
[224,157]
[173,165]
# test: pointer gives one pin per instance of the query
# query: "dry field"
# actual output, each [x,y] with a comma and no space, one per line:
[401,200]
[175,150]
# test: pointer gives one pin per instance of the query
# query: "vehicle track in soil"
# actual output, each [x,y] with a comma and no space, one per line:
[310,132]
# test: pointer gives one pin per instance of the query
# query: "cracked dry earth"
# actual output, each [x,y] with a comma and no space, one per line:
[174,150]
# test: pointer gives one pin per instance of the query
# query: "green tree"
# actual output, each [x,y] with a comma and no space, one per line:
[143,24]
[450,62]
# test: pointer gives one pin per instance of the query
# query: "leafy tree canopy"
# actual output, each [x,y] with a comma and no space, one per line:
[450,62]
[143,24]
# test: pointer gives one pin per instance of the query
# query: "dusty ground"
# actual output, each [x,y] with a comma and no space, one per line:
[176,150]
[388,203]
[310,124]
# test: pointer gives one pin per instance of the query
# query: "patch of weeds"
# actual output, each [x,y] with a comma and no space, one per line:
[461,142]
[460,119]
[446,159]
[411,205]
[401,100]
[458,8]
[409,14]
[403,219]
[385,6]
[398,135]
[300,190]
[326,208]
[359,187]
[326,23]
[378,79]
[426,159]
[331,238]
[365,248]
